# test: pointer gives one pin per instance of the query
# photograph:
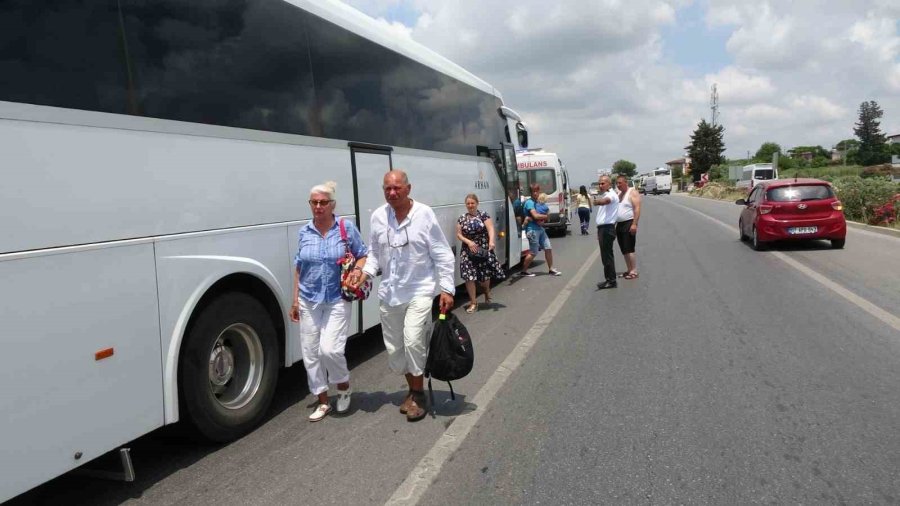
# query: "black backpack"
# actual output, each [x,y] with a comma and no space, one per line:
[450,353]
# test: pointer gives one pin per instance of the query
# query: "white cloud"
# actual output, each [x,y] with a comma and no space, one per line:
[817,108]
[740,87]
[593,82]
[397,28]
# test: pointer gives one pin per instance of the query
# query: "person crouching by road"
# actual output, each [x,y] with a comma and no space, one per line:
[407,244]
[537,236]
[607,203]
[628,215]
[323,315]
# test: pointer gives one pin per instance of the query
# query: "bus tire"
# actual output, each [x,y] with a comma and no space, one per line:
[228,367]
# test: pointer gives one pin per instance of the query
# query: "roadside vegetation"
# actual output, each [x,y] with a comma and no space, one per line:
[871,200]
[858,169]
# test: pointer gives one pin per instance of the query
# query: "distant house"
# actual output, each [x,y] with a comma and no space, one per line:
[891,139]
[676,165]
[802,155]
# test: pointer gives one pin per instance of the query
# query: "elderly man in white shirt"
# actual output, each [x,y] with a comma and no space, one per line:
[607,203]
[416,262]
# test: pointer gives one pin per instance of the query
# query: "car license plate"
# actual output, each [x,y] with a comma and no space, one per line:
[802,230]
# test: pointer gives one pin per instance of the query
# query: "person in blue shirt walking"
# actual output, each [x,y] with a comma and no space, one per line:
[323,315]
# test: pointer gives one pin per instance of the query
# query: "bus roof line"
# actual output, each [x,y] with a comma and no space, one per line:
[352,19]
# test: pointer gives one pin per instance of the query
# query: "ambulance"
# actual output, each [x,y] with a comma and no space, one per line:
[547,170]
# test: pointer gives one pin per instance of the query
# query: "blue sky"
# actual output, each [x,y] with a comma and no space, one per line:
[692,45]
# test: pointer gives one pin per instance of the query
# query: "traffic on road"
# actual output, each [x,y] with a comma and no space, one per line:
[281,252]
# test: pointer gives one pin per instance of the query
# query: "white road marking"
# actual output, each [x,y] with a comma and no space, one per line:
[424,473]
[882,315]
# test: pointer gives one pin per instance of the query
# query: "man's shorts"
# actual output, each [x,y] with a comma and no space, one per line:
[624,237]
[537,240]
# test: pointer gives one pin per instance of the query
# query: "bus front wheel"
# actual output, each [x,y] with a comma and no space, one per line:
[228,367]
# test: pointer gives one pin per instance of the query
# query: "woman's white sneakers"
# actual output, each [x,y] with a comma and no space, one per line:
[343,404]
[343,400]
[321,412]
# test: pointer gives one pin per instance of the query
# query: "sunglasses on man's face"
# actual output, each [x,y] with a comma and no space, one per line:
[316,203]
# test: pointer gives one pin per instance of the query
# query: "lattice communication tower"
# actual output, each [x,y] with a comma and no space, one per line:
[714,104]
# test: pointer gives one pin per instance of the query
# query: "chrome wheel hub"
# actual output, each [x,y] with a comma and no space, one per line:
[236,366]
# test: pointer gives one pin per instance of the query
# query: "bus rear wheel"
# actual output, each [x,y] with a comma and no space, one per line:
[229,367]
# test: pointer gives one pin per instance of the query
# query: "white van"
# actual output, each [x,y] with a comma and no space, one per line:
[755,173]
[547,170]
[663,178]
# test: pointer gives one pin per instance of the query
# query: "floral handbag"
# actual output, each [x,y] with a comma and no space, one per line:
[347,262]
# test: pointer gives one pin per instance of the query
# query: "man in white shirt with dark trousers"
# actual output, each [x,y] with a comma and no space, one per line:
[607,203]
[407,244]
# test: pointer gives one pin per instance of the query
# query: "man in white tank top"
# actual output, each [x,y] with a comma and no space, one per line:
[629,213]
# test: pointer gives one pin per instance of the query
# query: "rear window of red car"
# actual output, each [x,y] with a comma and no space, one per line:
[799,193]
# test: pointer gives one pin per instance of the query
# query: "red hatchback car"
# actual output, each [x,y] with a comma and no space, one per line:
[792,209]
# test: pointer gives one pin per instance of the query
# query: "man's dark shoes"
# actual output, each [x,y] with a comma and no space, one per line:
[606,284]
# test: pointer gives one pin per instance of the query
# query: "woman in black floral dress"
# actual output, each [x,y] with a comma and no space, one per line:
[476,229]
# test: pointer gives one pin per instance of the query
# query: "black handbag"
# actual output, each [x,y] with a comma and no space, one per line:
[478,256]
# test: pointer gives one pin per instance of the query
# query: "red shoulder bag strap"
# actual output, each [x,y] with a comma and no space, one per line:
[343,230]
[344,237]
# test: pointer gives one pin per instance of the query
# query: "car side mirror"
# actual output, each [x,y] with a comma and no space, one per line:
[740,202]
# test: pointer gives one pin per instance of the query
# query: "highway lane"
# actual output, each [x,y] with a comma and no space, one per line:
[721,374]
[869,265]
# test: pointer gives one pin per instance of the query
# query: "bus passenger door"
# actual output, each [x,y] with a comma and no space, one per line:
[514,226]
[369,165]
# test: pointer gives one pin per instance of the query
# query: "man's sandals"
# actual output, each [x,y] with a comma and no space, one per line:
[630,275]
[414,406]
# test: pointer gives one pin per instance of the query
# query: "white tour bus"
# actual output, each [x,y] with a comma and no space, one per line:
[754,173]
[548,171]
[153,185]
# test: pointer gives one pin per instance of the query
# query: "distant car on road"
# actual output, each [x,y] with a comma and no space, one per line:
[792,209]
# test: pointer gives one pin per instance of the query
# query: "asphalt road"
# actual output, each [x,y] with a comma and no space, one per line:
[721,375]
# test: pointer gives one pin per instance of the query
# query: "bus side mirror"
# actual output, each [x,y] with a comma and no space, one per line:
[522,134]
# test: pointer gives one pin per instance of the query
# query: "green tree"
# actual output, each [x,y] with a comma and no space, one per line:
[624,167]
[868,131]
[707,146]
[765,152]
[848,148]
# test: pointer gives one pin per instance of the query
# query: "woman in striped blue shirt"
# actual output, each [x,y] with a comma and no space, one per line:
[323,315]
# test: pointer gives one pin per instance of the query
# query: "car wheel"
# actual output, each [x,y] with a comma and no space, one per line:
[228,367]
[755,242]
[743,236]
[838,243]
